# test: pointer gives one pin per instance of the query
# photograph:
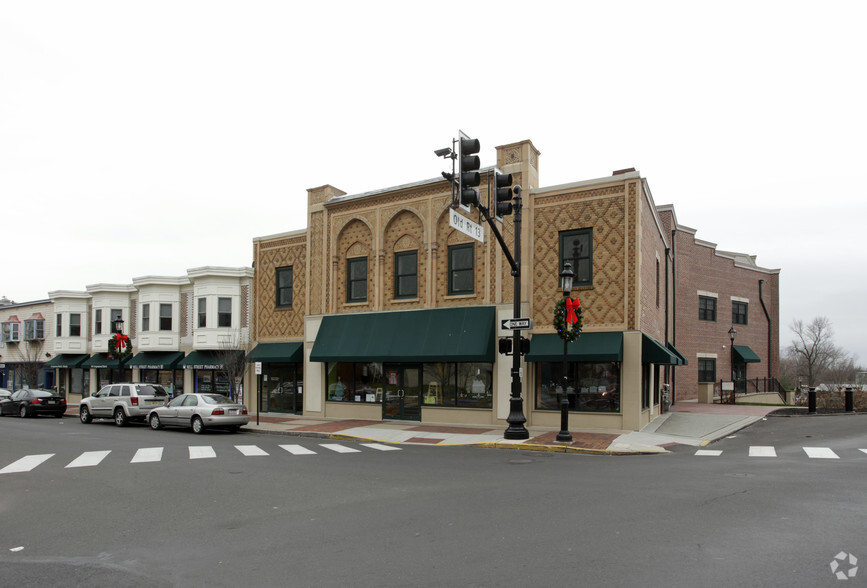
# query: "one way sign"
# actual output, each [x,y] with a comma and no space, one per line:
[515,324]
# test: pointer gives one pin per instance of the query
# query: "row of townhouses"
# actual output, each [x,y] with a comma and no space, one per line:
[380,309]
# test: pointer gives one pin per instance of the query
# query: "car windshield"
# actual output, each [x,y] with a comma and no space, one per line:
[215,399]
[42,393]
[151,391]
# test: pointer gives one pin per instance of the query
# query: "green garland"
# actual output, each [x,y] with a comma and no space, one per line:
[115,353]
[566,331]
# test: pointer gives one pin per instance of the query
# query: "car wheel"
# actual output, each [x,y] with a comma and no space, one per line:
[235,428]
[22,412]
[120,418]
[84,415]
[155,422]
[198,425]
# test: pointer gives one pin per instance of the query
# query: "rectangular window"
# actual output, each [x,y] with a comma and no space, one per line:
[116,315]
[706,308]
[462,260]
[145,317]
[11,332]
[97,321]
[590,387]
[576,247]
[356,279]
[58,330]
[202,313]
[739,312]
[75,324]
[706,369]
[165,317]
[34,329]
[406,274]
[657,283]
[284,287]
[224,312]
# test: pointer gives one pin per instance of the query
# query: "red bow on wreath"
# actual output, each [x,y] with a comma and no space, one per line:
[571,307]
[121,341]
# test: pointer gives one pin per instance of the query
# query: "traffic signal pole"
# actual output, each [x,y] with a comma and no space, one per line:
[516,419]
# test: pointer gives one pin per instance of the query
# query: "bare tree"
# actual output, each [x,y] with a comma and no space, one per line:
[814,349]
[30,351]
[233,356]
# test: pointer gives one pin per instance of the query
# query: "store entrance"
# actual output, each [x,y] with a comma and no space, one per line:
[402,392]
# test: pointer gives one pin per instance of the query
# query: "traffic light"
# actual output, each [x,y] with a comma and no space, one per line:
[503,192]
[469,176]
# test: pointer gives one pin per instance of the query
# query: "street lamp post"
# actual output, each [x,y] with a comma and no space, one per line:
[566,284]
[732,333]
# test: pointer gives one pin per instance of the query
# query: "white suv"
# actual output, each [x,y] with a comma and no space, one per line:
[122,402]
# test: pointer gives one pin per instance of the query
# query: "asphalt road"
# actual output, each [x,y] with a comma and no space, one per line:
[425,516]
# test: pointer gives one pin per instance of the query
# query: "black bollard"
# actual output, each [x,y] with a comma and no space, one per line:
[811,401]
[850,401]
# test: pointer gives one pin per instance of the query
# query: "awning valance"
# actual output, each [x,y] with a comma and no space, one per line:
[102,361]
[289,352]
[744,354]
[67,360]
[681,359]
[205,360]
[156,360]
[436,335]
[589,347]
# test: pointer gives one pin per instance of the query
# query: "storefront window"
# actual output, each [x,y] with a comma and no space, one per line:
[475,385]
[282,387]
[355,382]
[171,380]
[590,387]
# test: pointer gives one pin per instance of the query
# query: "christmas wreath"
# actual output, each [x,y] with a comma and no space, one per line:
[119,346]
[568,319]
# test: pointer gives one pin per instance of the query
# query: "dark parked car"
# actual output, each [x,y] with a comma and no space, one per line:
[32,402]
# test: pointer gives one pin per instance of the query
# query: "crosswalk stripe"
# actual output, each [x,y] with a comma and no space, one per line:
[251,450]
[88,458]
[863,450]
[709,452]
[762,451]
[201,452]
[27,463]
[298,450]
[381,447]
[147,454]
[338,448]
[820,453]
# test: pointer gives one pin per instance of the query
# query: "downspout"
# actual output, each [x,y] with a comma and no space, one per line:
[668,370]
[768,317]
[673,309]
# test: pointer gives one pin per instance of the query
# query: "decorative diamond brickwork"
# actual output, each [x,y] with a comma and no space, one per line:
[404,232]
[354,240]
[272,323]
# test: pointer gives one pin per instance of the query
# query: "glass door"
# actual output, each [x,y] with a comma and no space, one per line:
[402,392]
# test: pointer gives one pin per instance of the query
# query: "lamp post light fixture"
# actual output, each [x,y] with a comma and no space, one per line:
[118,325]
[732,333]
[566,284]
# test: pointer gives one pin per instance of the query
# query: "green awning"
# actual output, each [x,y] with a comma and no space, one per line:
[156,360]
[289,352]
[653,352]
[744,354]
[67,360]
[205,360]
[681,359]
[437,335]
[590,347]
[101,361]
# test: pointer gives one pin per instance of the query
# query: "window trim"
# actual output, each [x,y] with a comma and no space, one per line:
[34,329]
[563,235]
[737,316]
[397,276]
[145,317]
[704,372]
[703,312]
[221,315]
[349,281]
[202,312]
[290,288]
[168,318]
[451,269]
[97,321]
[75,327]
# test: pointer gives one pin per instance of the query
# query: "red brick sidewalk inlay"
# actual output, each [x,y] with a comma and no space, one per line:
[335,426]
[451,430]
[582,440]
[423,440]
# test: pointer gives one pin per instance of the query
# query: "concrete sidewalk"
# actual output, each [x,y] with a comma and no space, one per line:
[687,423]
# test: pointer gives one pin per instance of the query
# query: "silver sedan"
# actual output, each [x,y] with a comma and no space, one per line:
[200,412]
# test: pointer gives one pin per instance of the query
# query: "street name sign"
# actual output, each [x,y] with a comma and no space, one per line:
[466,226]
[516,324]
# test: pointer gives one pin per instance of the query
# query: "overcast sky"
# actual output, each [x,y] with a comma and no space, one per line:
[147,138]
